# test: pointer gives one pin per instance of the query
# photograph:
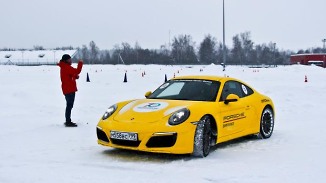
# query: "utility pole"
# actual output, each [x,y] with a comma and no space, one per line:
[22,56]
[274,44]
[323,40]
[54,61]
[224,50]
[169,47]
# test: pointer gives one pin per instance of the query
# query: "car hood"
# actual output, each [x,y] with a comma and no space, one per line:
[149,110]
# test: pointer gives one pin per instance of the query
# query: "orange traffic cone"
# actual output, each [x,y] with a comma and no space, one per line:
[305,79]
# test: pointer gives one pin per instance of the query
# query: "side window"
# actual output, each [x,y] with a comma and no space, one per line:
[232,87]
[246,90]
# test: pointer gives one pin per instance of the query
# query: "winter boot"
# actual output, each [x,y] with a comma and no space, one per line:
[70,124]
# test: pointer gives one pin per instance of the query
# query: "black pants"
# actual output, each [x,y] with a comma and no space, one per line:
[70,98]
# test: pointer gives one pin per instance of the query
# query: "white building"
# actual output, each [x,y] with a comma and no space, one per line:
[39,57]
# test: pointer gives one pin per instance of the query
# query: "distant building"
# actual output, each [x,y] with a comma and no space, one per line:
[309,59]
[39,57]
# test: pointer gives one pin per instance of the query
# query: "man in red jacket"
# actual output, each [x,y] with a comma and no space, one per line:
[68,76]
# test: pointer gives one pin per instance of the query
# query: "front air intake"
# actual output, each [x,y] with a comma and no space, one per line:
[125,142]
[162,141]
[101,135]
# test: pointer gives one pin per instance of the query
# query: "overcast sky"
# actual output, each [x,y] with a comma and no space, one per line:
[291,24]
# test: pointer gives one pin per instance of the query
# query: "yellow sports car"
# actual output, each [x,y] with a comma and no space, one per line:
[188,115]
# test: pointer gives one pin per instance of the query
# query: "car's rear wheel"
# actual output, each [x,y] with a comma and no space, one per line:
[266,123]
[202,141]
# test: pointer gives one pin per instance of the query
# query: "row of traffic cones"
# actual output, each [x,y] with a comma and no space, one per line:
[143,74]
[125,80]
[165,79]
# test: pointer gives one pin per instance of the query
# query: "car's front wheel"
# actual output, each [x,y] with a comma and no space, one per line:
[202,137]
[266,123]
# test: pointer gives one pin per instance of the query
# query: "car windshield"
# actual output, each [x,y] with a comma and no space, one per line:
[196,90]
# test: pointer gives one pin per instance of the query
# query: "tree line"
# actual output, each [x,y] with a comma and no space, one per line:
[183,50]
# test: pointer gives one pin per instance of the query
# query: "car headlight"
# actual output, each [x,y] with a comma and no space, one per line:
[109,111]
[179,116]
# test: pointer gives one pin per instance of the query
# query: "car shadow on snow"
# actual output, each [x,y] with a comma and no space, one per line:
[134,156]
[239,142]
[139,156]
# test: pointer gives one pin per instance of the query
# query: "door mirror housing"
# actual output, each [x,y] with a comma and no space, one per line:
[231,98]
[147,94]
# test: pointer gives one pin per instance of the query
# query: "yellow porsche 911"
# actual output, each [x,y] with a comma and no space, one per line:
[188,115]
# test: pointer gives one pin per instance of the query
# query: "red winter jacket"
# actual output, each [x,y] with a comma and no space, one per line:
[68,76]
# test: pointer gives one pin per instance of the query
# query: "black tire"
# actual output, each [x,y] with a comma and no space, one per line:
[266,123]
[202,141]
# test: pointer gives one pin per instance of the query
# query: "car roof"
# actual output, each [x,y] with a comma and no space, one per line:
[201,77]
[211,78]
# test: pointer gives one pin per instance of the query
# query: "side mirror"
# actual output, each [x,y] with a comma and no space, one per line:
[147,94]
[231,98]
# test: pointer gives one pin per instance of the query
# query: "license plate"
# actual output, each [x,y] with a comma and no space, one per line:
[124,135]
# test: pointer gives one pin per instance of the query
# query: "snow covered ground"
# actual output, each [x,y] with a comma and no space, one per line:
[35,147]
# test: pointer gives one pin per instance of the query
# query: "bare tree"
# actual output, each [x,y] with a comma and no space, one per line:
[247,46]
[237,51]
[105,57]
[85,54]
[183,50]
[207,50]
[94,52]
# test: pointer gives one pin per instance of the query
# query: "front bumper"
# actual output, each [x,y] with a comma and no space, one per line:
[155,137]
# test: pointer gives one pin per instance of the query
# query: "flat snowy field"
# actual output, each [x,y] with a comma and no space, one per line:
[35,147]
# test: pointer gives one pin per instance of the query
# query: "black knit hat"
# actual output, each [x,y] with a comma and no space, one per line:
[65,57]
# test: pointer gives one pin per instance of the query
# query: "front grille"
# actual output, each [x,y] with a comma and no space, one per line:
[125,142]
[162,141]
[101,135]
